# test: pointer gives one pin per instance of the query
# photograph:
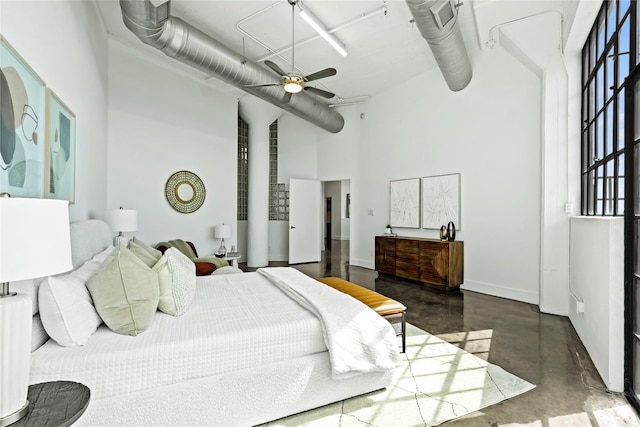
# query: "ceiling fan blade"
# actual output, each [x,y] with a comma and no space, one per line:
[270,84]
[327,72]
[319,92]
[275,67]
[287,97]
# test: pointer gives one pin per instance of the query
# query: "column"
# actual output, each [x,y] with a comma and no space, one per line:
[259,115]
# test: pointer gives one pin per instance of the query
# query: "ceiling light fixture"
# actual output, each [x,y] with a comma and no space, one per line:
[293,83]
[321,29]
[292,87]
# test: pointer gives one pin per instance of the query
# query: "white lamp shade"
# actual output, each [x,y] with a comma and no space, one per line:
[34,238]
[122,219]
[222,231]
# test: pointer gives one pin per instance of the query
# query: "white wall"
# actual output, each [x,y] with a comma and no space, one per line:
[161,123]
[597,280]
[66,44]
[490,133]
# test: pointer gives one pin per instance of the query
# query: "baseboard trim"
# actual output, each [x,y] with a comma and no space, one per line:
[363,263]
[279,257]
[501,291]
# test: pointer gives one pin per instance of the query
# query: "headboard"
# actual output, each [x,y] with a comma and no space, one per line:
[87,239]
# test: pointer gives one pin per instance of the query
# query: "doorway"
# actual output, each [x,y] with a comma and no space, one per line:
[327,223]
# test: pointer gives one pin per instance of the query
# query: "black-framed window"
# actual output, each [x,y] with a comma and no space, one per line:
[608,56]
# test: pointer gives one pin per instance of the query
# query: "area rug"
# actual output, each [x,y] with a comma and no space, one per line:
[435,382]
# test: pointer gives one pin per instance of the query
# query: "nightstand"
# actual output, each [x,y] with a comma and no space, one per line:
[55,403]
[232,260]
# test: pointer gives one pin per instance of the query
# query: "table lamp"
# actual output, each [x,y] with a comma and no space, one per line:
[122,220]
[221,232]
[34,242]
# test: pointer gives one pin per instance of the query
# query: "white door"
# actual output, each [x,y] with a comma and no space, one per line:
[305,208]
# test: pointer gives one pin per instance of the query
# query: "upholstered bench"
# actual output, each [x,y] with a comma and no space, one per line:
[386,307]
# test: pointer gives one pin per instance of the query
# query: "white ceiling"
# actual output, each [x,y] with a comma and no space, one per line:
[384,47]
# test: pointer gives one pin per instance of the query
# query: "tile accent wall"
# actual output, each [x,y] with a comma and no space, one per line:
[278,194]
[243,168]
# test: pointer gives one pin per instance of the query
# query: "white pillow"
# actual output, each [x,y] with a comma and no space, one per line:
[177,282]
[66,308]
[227,270]
[102,256]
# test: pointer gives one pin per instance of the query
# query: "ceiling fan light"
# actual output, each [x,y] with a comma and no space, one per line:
[292,87]
[316,25]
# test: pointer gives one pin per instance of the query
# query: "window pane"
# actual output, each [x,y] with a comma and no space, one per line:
[611,72]
[592,99]
[599,153]
[601,35]
[600,89]
[585,109]
[585,152]
[591,185]
[621,119]
[620,194]
[624,7]
[609,187]
[592,50]
[623,51]
[611,20]
[585,193]
[592,143]
[609,142]
[599,190]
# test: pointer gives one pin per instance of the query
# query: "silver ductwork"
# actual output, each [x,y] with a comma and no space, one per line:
[156,27]
[437,21]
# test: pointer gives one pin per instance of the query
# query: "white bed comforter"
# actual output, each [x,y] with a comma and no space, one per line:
[358,339]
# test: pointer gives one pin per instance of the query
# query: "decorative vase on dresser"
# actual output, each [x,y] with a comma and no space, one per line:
[433,262]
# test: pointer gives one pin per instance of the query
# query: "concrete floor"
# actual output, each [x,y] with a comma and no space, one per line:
[540,348]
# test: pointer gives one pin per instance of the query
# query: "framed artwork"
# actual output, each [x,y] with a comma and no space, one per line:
[22,116]
[441,201]
[405,203]
[61,149]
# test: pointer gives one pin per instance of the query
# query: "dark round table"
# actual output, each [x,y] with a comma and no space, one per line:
[55,403]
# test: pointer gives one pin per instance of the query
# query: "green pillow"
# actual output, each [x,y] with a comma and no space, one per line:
[153,251]
[125,293]
[141,252]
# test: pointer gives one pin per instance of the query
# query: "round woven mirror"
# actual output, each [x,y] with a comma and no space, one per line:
[185,191]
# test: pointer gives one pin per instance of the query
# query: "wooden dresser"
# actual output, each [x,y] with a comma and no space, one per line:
[433,262]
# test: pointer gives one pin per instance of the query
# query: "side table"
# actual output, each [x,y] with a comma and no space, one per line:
[55,403]
[233,260]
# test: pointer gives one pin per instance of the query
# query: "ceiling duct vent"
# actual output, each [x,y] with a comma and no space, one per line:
[437,21]
[155,26]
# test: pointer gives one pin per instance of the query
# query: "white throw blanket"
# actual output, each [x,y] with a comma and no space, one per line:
[358,339]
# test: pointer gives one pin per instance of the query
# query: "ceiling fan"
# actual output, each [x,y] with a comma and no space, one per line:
[294,82]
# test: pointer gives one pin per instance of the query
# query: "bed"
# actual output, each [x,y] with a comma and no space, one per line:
[246,352]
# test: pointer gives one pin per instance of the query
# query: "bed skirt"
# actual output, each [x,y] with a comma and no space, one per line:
[241,398]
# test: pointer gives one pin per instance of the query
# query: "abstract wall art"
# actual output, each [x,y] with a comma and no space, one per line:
[441,201]
[22,112]
[405,203]
[61,149]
